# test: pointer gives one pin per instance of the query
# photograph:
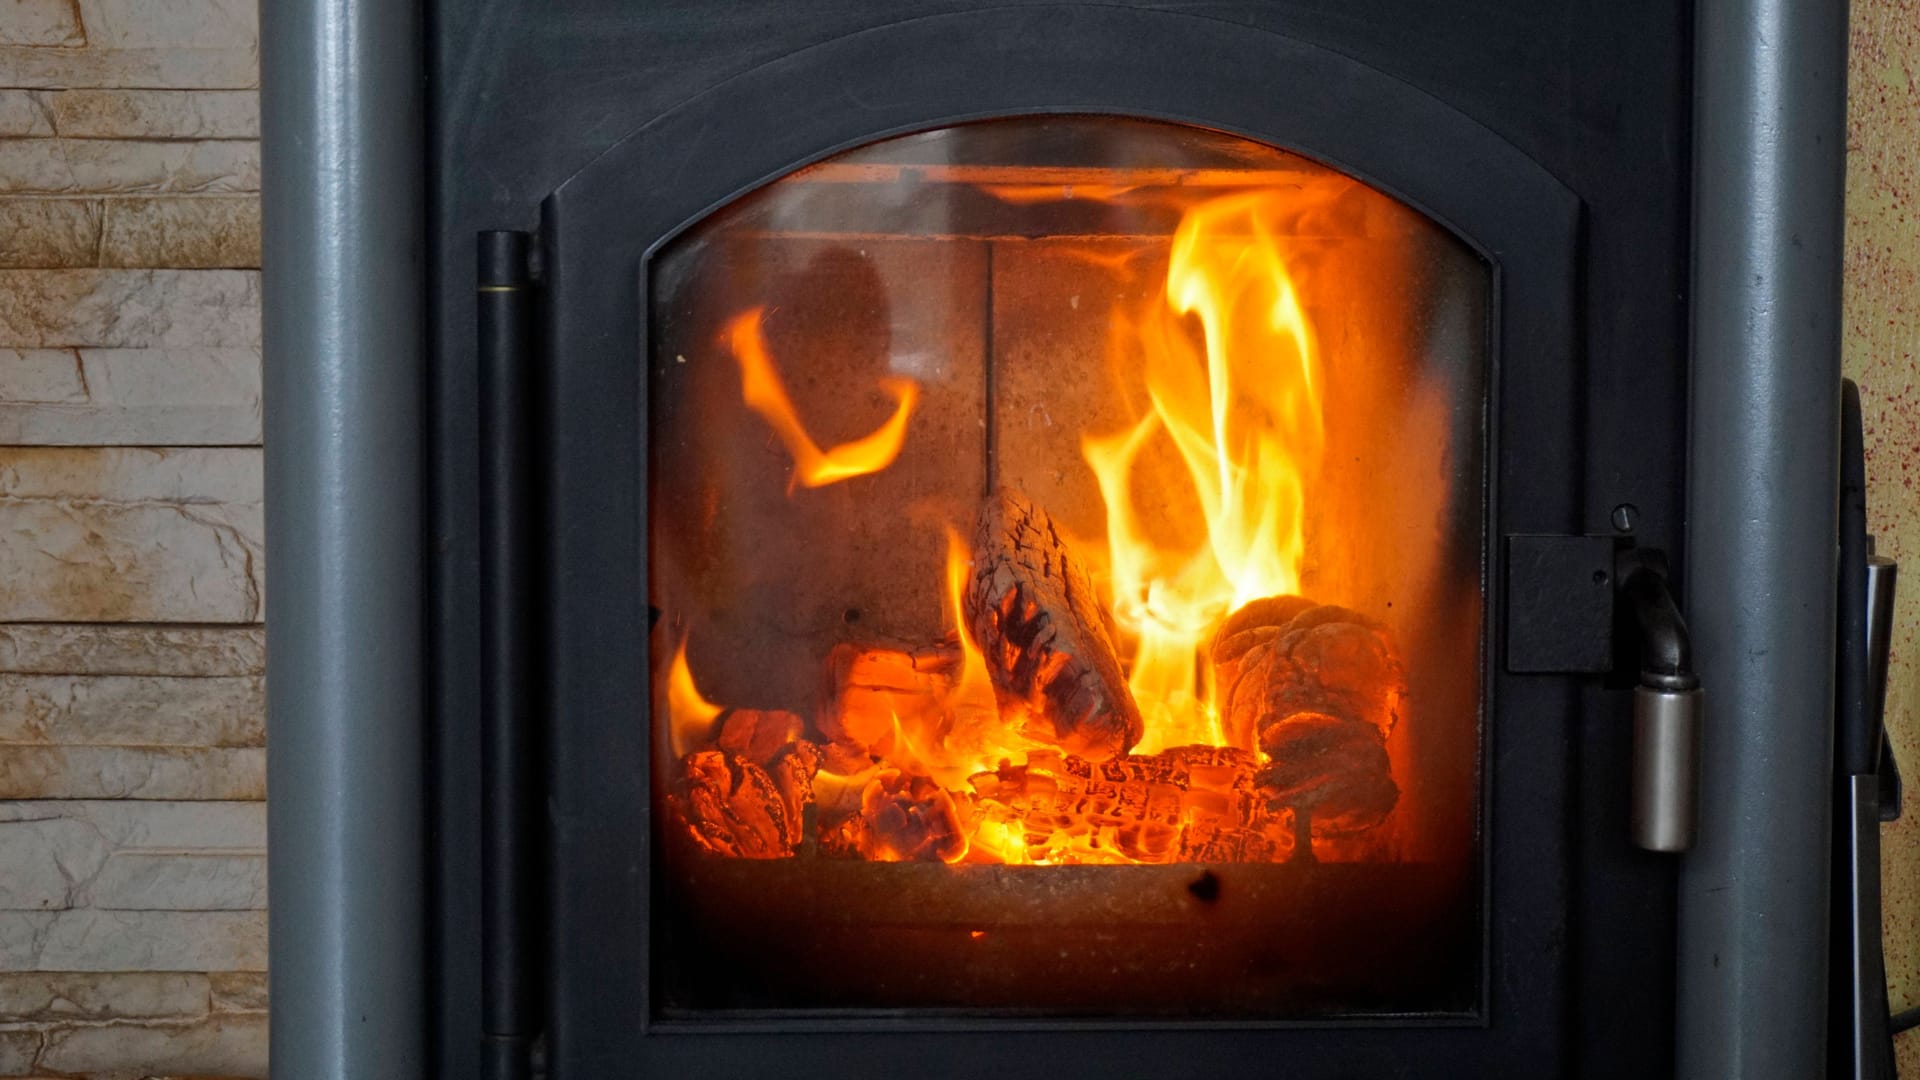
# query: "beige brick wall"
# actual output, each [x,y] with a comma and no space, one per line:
[133,894]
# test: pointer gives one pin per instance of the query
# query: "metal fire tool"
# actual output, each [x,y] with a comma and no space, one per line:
[1860,1035]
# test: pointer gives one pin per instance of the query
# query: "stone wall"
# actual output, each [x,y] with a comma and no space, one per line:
[133,895]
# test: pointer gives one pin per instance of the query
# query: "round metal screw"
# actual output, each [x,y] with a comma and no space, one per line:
[1624,516]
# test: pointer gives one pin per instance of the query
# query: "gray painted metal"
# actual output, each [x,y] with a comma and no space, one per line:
[341,107]
[1769,123]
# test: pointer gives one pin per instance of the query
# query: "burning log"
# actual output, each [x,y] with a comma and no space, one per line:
[1326,659]
[744,819]
[1319,693]
[1257,622]
[1048,644]
[747,796]
[902,818]
[1333,774]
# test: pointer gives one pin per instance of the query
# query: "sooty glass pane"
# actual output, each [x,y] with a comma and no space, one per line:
[1067,537]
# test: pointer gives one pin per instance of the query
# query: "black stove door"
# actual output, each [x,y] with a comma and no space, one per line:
[603,229]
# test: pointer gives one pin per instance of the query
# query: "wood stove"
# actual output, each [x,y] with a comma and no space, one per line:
[1059,539]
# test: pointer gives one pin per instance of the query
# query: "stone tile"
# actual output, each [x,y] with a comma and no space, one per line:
[200,232]
[88,940]
[131,397]
[50,233]
[175,881]
[110,772]
[25,112]
[126,535]
[118,309]
[46,857]
[18,1050]
[146,995]
[239,991]
[224,1044]
[119,24]
[195,475]
[41,376]
[42,22]
[154,114]
[132,710]
[156,826]
[67,560]
[229,68]
[59,857]
[127,167]
[109,649]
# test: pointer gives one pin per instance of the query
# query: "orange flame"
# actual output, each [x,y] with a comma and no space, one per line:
[764,393]
[1239,410]
[690,714]
[1243,414]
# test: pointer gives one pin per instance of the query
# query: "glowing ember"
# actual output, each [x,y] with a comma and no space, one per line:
[762,390]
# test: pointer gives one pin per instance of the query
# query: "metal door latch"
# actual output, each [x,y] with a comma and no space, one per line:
[1668,708]
[1562,593]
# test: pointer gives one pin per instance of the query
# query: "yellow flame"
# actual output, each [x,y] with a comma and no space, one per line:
[973,666]
[1243,415]
[764,393]
[689,714]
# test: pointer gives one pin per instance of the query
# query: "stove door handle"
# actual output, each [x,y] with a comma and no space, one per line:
[1668,709]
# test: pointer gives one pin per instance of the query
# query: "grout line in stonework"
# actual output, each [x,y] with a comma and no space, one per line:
[237,624]
[133,625]
[112,446]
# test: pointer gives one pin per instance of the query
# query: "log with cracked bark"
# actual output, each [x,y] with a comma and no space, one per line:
[747,797]
[1322,659]
[1331,772]
[1046,637]
[1318,687]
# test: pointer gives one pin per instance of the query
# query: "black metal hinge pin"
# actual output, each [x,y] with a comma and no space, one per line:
[508,517]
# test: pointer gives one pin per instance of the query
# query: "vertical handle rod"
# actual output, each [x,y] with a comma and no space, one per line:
[507,616]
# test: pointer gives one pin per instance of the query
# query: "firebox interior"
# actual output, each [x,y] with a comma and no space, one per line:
[1067,542]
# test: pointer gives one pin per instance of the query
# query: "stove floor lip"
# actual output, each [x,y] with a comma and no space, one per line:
[878,1021]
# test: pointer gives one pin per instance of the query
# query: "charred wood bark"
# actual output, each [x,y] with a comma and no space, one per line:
[1048,645]
[1318,688]
[1332,772]
[1326,659]
[748,797]
[902,818]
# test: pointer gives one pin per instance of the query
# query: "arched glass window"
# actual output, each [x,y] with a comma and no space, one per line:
[1067,536]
